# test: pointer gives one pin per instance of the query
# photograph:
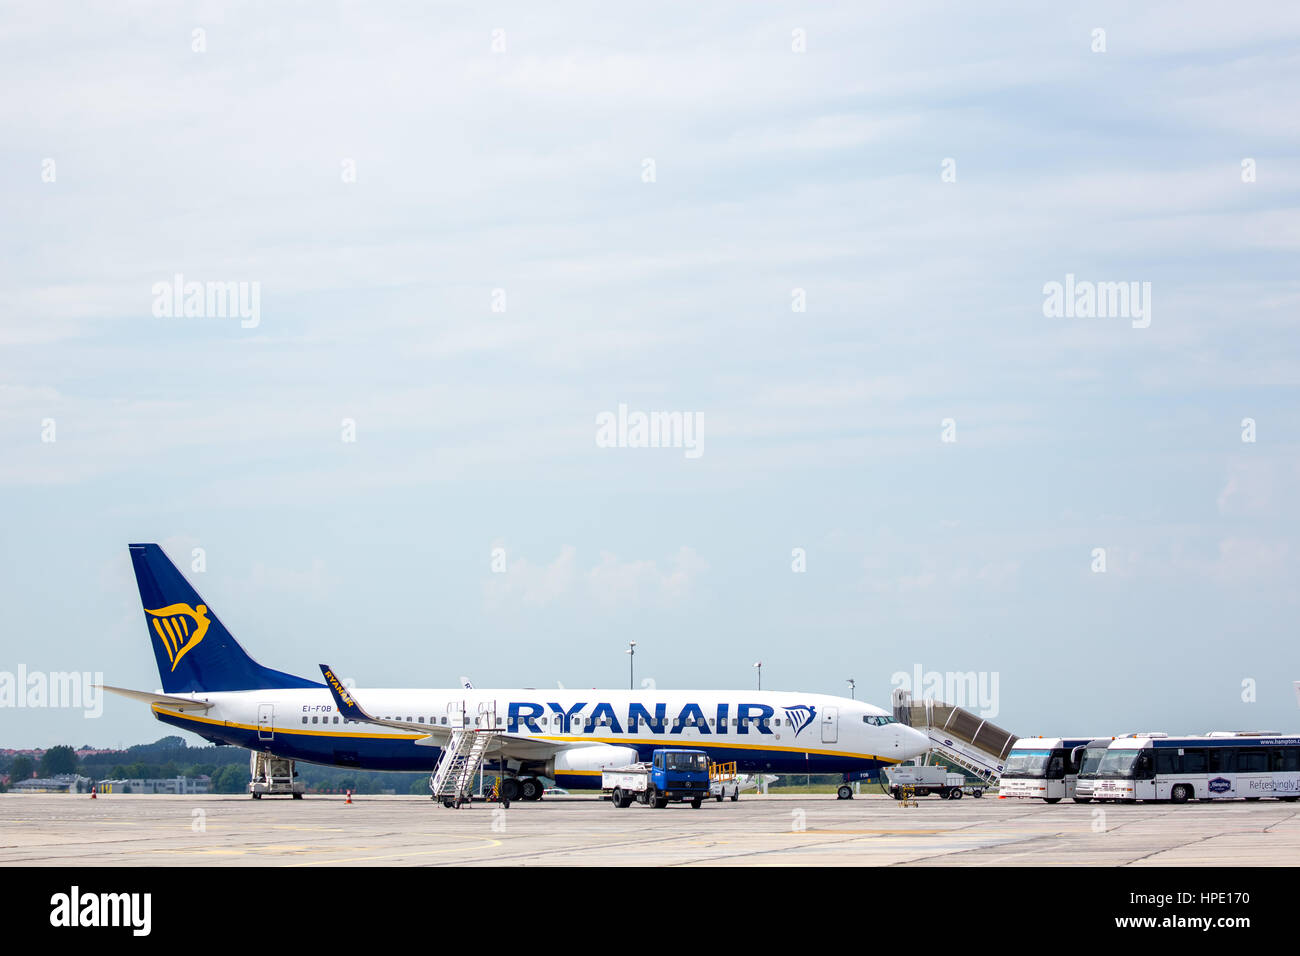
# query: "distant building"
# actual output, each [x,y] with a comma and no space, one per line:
[63,783]
[174,785]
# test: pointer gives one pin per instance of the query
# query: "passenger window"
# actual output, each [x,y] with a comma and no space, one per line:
[304,720]
[1252,761]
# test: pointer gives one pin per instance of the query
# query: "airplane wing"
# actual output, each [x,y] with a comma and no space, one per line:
[509,745]
[149,697]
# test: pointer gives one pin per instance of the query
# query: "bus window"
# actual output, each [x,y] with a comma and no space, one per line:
[1167,762]
[1222,760]
[1252,761]
[1193,761]
[1291,759]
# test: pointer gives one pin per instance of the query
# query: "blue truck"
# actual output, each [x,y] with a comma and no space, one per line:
[671,776]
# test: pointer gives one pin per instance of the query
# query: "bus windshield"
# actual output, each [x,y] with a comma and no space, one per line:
[1092,758]
[1027,763]
[681,761]
[1118,763]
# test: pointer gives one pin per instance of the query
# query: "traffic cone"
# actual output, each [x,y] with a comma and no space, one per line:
[92,793]
[349,799]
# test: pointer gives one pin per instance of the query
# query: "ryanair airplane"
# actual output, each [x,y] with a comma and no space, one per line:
[210,686]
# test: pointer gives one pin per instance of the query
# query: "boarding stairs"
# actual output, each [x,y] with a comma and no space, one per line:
[961,737]
[452,778]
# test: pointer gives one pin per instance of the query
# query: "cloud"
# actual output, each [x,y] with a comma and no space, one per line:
[532,585]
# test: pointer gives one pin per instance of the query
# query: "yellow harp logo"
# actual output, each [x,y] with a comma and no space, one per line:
[180,628]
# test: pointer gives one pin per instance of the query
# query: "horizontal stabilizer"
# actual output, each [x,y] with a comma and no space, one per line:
[149,697]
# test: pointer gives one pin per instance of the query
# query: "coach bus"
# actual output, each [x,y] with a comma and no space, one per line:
[1219,766]
[1088,758]
[1041,767]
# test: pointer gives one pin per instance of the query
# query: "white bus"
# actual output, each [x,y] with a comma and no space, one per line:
[1088,759]
[1041,767]
[1219,766]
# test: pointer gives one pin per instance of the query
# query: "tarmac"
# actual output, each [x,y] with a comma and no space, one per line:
[774,830]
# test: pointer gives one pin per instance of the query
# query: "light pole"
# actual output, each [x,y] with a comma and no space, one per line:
[631,658]
[759,666]
[853,689]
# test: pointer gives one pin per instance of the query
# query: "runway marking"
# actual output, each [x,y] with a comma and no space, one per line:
[311,829]
[882,832]
[488,844]
[230,851]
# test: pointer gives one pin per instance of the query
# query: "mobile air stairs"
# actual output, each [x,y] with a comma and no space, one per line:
[452,779]
[961,737]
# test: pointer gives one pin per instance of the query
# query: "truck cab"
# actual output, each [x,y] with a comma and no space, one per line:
[680,774]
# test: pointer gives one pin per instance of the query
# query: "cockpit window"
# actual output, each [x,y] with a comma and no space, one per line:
[877,720]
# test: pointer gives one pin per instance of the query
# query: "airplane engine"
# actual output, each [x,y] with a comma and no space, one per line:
[591,759]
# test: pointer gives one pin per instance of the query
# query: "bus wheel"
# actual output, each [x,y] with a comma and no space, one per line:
[1051,799]
[844,793]
[1180,793]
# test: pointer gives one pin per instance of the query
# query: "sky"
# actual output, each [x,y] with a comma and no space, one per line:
[823,234]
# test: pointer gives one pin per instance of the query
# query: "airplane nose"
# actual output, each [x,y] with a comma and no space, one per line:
[914,743]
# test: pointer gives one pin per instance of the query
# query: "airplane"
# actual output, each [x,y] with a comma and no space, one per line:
[212,687]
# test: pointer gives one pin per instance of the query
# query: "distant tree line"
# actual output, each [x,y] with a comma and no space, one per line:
[226,766]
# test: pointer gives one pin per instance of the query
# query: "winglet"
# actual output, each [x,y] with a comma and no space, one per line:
[347,705]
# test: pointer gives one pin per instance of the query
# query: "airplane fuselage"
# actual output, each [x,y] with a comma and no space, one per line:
[762,731]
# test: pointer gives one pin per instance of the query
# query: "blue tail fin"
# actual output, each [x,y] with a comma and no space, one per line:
[195,652]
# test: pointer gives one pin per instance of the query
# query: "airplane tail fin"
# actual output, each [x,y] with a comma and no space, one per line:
[195,652]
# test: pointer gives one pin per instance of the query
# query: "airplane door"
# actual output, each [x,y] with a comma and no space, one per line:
[266,721]
[830,725]
[456,715]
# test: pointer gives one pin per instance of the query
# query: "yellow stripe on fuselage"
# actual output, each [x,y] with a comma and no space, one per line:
[683,744]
